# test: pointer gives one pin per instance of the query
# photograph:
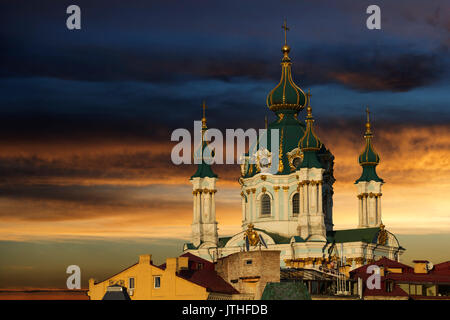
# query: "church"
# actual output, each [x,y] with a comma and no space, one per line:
[292,209]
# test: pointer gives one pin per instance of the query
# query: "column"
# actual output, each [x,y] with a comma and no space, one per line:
[213,206]
[206,207]
[243,207]
[277,202]
[301,199]
[310,200]
[360,212]
[320,200]
[194,207]
[199,206]
[365,211]
[250,206]
[285,204]
[379,209]
[254,209]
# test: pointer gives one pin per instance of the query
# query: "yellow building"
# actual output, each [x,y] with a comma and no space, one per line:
[184,278]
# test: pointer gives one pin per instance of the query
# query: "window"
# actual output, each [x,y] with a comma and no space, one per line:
[248,262]
[157,282]
[295,204]
[130,283]
[297,162]
[200,266]
[265,204]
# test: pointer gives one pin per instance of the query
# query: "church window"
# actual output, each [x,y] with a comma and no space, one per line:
[295,204]
[296,162]
[248,262]
[130,283]
[265,205]
[157,282]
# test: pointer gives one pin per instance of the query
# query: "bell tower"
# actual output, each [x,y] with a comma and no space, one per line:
[369,184]
[204,224]
[311,222]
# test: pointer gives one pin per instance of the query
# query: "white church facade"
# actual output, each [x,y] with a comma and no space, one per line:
[292,210]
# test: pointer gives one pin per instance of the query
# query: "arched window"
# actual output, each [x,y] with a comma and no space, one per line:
[265,204]
[296,204]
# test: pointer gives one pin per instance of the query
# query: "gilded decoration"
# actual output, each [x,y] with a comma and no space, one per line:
[280,162]
[292,155]
[311,182]
[263,161]
[382,235]
[251,235]
[359,260]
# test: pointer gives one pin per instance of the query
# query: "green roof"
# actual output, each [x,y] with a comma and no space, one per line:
[223,241]
[289,290]
[190,246]
[369,174]
[290,131]
[369,159]
[278,239]
[368,235]
[369,155]
[203,169]
[286,95]
[298,239]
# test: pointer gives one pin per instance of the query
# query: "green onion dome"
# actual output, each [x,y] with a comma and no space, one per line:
[310,143]
[286,95]
[201,154]
[369,158]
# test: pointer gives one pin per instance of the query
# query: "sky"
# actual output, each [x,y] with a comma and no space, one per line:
[86,118]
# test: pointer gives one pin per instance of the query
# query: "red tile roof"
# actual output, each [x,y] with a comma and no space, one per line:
[396,292]
[208,279]
[383,262]
[442,267]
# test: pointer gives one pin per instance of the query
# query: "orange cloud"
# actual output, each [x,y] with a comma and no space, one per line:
[116,190]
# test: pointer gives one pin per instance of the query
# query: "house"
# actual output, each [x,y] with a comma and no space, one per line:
[183,278]
[400,281]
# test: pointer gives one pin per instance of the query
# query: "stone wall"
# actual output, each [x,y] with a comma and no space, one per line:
[248,272]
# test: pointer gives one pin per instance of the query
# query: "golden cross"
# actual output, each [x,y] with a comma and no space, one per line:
[204,118]
[286,29]
[204,108]
[309,97]
[368,113]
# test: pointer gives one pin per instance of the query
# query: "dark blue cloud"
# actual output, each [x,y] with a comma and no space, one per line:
[142,68]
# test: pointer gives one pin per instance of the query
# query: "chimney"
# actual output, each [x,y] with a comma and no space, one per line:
[145,259]
[182,263]
[171,265]
[421,266]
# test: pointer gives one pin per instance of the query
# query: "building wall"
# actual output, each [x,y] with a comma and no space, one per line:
[172,286]
[250,278]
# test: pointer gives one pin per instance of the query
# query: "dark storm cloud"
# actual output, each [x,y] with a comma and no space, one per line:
[180,50]
[356,66]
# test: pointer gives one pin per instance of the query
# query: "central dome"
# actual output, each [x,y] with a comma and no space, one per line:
[286,95]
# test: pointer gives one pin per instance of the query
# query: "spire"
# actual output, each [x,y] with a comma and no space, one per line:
[369,158]
[310,143]
[286,95]
[204,117]
[203,169]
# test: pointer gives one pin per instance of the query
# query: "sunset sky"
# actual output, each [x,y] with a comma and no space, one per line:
[86,118]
